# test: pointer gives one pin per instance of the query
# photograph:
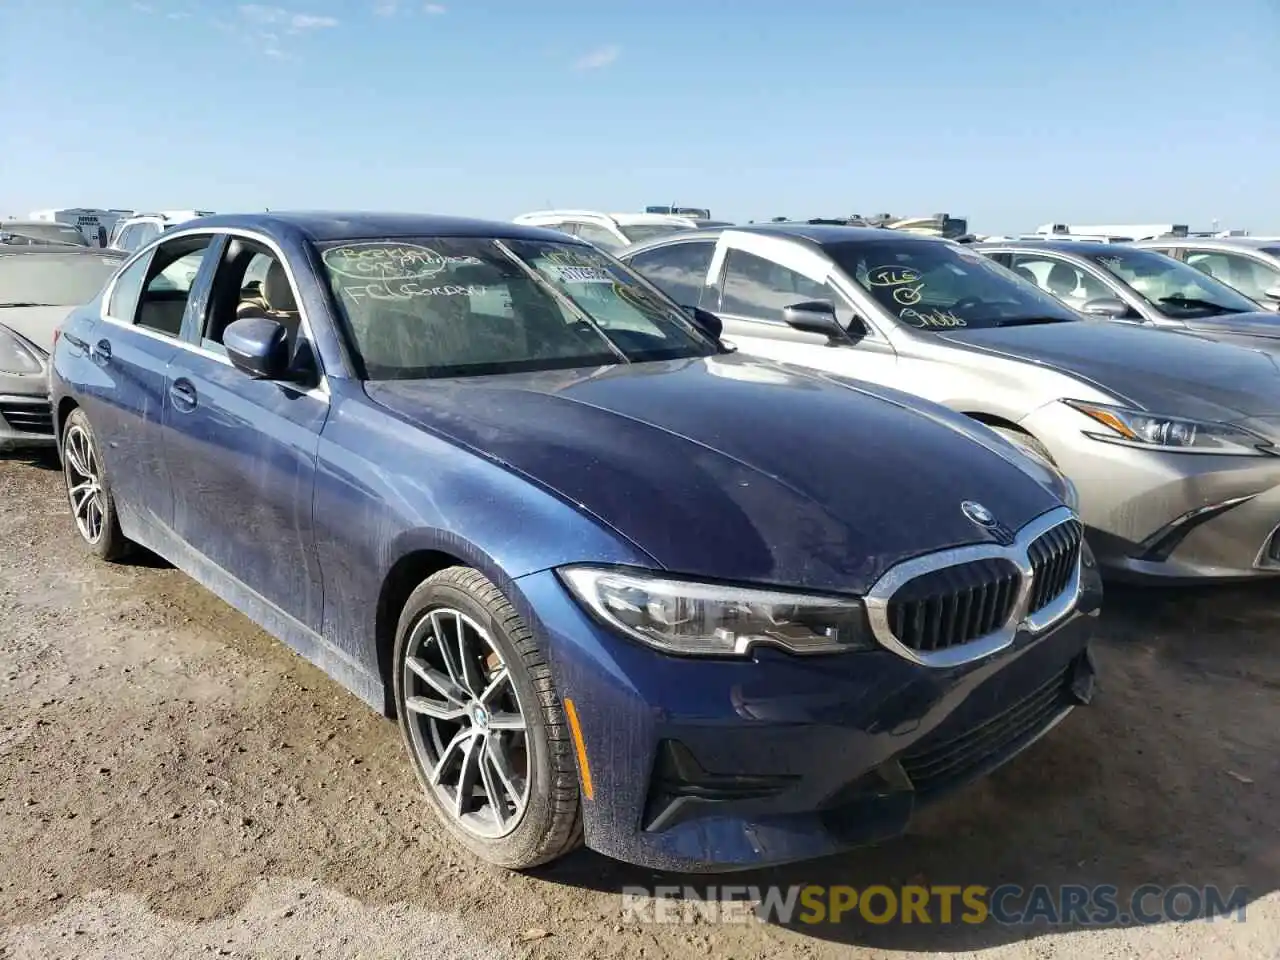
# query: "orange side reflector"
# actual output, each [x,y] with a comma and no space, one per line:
[580,745]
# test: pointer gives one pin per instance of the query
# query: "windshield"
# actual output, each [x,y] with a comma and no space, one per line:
[470,306]
[941,286]
[1274,251]
[639,232]
[54,279]
[1171,286]
[47,232]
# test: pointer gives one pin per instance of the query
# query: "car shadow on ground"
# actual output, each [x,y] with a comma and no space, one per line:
[39,458]
[1167,779]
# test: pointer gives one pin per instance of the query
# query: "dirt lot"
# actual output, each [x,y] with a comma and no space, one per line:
[174,783]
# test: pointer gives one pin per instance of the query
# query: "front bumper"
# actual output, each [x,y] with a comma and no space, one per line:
[26,419]
[1165,516]
[707,765]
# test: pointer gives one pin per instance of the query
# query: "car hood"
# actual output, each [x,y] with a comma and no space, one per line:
[1173,373]
[1264,325]
[733,467]
[37,324]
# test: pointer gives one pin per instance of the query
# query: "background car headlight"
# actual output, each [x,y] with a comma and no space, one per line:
[15,357]
[1140,429]
[686,617]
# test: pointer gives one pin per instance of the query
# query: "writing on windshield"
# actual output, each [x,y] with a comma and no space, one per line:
[472,306]
[937,286]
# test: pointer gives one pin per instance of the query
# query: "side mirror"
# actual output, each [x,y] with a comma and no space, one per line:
[707,322]
[1111,308]
[815,316]
[257,346]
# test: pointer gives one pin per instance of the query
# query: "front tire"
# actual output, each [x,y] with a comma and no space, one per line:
[92,507]
[483,723]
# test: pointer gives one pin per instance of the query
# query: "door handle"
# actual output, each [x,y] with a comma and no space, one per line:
[101,351]
[183,394]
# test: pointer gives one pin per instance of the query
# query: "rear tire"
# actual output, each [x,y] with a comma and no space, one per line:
[93,509]
[483,723]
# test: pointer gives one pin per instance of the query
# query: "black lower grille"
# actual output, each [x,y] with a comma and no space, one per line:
[954,605]
[1054,556]
[940,766]
[28,416]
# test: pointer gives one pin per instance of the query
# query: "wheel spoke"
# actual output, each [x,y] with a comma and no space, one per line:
[437,681]
[468,775]
[506,721]
[449,712]
[468,659]
[496,682]
[448,647]
[493,789]
[74,458]
[81,494]
[461,740]
[496,760]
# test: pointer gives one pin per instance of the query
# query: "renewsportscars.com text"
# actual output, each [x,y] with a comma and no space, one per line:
[1008,904]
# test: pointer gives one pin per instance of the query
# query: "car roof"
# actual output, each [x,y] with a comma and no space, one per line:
[59,250]
[325,225]
[821,234]
[1252,242]
[1082,247]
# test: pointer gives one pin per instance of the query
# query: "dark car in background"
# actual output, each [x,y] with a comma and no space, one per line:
[1120,282]
[38,232]
[39,285]
[616,581]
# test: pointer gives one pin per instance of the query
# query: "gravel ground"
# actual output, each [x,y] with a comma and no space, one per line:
[174,783]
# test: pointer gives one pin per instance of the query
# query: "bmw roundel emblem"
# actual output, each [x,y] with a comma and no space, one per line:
[978,513]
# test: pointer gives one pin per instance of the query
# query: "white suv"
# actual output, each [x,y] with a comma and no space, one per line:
[611,231]
[137,231]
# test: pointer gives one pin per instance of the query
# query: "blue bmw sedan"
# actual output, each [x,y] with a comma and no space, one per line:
[617,583]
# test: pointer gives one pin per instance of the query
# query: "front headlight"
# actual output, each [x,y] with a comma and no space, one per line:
[706,619]
[1139,429]
[15,357]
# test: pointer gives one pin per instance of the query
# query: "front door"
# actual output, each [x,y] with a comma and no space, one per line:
[758,277]
[242,452]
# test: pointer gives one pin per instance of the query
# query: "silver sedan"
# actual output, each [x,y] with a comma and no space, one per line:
[1170,439]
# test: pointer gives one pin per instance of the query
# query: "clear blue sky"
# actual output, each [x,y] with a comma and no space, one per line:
[1013,112]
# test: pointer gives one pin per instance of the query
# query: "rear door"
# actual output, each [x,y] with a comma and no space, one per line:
[242,452]
[131,349]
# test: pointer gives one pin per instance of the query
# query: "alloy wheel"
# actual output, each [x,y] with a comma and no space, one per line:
[466,723]
[84,483]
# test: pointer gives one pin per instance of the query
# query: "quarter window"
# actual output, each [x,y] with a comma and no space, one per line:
[124,295]
[758,288]
[678,269]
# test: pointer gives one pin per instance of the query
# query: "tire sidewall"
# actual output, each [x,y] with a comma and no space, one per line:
[518,845]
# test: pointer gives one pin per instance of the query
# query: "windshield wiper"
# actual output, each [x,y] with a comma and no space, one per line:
[1182,301]
[26,303]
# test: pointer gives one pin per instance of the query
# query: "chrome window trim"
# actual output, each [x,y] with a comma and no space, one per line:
[878,597]
[319,392]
